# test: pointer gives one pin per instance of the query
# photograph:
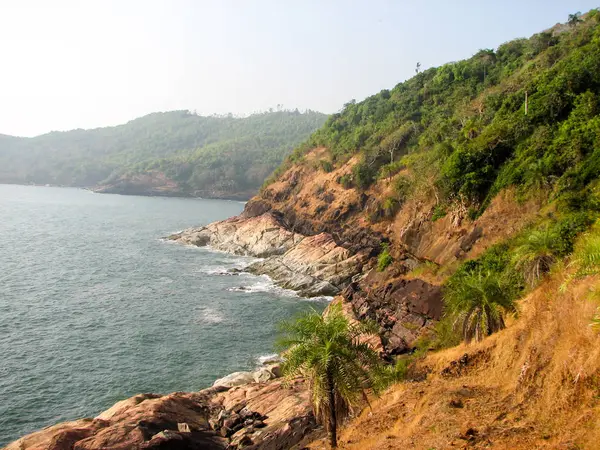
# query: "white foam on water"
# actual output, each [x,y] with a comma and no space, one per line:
[210,316]
[264,284]
[216,270]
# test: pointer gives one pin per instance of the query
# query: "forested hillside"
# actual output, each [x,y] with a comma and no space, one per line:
[223,155]
[525,114]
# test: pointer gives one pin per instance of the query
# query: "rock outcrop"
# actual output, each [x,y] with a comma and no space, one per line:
[270,415]
[261,236]
[405,309]
[266,373]
[312,265]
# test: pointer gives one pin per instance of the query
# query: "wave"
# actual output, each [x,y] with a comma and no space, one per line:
[218,270]
[267,285]
[264,284]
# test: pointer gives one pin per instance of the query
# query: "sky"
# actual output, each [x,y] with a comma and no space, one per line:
[69,64]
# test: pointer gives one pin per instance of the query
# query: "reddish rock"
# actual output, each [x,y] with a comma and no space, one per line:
[265,414]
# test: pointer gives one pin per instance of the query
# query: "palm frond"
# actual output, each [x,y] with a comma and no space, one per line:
[478,301]
[324,348]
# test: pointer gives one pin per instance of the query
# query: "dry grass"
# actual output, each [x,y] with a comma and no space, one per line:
[534,385]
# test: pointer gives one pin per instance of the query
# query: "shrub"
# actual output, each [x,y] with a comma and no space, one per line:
[393,373]
[438,212]
[402,186]
[362,175]
[389,170]
[568,229]
[536,253]
[326,165]
[446,333]
[385,258]
[390,207]
[586,257]
[345,181]
[478,301]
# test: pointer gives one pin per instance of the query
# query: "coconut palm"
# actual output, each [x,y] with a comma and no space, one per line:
[326,350]
[478,300]
[536,254]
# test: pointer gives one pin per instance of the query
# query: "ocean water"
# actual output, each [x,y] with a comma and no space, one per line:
[95,307]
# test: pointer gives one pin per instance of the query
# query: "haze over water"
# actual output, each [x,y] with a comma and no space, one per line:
[94,307]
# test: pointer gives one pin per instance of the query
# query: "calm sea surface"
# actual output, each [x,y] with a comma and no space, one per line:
[94,307]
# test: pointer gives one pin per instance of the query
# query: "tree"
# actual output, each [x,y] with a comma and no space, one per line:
[574,19]
[535,254]
[478,301]
[326,349]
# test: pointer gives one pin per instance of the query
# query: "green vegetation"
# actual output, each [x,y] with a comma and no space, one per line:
[202,154]
[385,258]
[390,207]
[326,350]
[438,212]
[586,256]
[326,165]
[536,253]
[478,301]
[523,115]
[507,268]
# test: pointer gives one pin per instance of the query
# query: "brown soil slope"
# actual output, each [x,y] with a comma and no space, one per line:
[534,385]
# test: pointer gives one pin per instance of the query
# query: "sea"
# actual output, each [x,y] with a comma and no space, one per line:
[95,306]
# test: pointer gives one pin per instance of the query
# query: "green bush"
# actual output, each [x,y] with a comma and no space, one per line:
[389,170]
[438,212]
[402,187]
[326,165]
[390,207]
[568,228]
[536,253]
[362,175]
[385,258]
[478,301]
[345,181]
[586,257]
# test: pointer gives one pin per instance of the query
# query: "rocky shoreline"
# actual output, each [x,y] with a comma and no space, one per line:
[243,410]
[253,409]
[312,265]
[258,410]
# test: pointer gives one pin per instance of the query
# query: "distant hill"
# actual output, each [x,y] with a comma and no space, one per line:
[171,153]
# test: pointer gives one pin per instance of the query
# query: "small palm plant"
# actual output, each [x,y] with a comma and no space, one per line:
[478,301]
[327,351]
[536,254]
[586,256]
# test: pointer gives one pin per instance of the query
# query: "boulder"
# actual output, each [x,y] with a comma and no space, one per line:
[235,379]
[263,375]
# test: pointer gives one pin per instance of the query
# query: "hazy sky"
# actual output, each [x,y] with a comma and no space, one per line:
[87,63]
